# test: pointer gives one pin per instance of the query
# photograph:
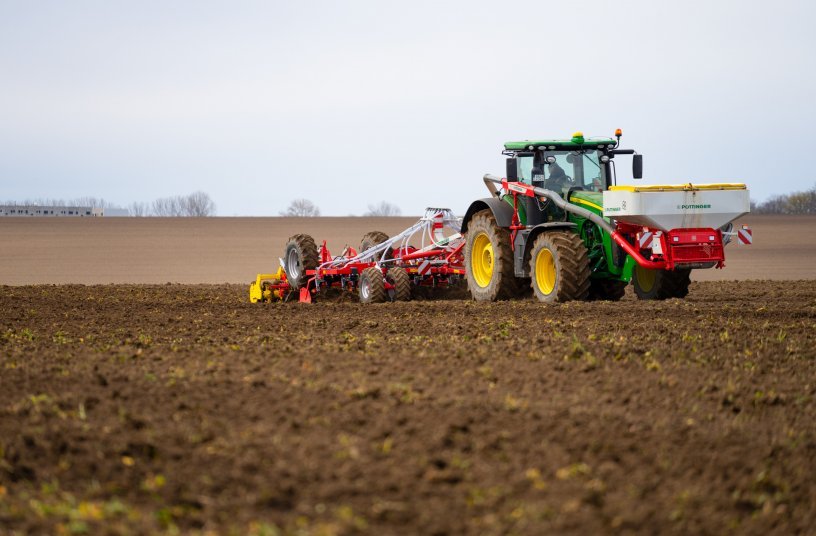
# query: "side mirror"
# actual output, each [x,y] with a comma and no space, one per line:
[551,159]
[637,166]
[512,170]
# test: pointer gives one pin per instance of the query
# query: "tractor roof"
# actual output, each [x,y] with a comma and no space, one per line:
[576,142]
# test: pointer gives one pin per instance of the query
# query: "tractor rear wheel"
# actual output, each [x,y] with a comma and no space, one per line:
[661,284]
[300,255]
[402,283]
[375,238]
[559,267]
[372,286]
[489,259]
[607,289]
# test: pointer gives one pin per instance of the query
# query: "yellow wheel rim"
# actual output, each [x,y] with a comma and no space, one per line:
[645,278]
[545,271]
[481,260]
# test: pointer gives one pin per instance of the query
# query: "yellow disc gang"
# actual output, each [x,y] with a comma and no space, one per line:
[545,271]
[645,278]
[481,260]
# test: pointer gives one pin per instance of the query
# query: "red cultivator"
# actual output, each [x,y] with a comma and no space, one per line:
[386,269]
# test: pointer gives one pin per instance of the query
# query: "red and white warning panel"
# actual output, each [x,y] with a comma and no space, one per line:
[645,239]
[745,236]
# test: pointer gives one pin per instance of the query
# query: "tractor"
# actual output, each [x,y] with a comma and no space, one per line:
[559,225]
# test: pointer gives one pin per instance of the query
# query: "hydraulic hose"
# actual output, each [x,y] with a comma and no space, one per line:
[489,180]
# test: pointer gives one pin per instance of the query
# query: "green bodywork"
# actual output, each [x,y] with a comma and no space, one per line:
[598,243]
[574,143]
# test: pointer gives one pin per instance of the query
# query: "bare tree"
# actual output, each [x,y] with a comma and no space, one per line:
[384,208]
[301,208]
[802,202]
[138,210]
[794,203]
[93,202]
[165,207]
[197,205]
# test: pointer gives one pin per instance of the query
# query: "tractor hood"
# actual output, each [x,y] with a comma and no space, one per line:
[589,200]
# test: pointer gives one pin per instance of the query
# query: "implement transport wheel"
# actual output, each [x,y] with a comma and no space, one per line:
[300,255]
[402,283]
[607,289]
[489,259]
[661,284]
[375,238]
[372,286]
[559,267]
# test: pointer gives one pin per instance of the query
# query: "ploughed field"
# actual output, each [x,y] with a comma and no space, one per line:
[139,409]
[232,250]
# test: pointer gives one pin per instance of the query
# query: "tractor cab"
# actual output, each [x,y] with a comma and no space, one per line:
[576,163]
[562,169]
[577,169]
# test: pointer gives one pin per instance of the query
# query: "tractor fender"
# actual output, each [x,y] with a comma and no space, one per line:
[524,243]
[501,210]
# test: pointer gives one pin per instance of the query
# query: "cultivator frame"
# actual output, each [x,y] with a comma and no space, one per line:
[387,271]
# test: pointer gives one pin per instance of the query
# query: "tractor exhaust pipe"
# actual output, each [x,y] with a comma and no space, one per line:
[489,180]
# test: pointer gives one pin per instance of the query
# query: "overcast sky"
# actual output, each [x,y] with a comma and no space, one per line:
[351,103]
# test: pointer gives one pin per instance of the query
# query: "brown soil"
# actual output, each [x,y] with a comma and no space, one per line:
[233,250]
[137,409]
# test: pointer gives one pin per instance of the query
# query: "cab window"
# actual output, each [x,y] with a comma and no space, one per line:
[525,168]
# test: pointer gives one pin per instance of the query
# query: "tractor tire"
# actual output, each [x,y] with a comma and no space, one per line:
[371,286]
[402,283]
[300,255]
[559,267]
[375,238]
[489,260]
[607,289]
[660,284]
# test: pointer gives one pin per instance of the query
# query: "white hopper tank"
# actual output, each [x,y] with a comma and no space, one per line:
[668,207]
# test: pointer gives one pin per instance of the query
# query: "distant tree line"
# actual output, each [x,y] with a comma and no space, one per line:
[196,204]
[304,208]
[93,202]
[794,203]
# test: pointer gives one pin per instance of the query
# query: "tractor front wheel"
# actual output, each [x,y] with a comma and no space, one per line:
[559,267]
[661,284]
[489,259]
[300,255]
[371,286]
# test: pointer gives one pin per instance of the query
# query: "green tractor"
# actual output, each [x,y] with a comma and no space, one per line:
[558,225]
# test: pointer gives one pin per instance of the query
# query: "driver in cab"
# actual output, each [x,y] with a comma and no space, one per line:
[558,179]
